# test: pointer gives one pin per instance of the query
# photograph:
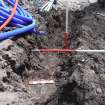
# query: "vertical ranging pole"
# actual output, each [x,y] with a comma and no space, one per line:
[67,15]
[66,34]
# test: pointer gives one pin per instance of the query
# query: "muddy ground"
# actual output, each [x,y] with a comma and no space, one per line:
[80,77]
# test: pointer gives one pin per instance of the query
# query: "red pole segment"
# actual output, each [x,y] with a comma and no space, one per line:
[66,37]
[57,50]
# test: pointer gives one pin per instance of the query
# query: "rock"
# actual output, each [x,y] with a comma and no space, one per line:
[6,44]
[7,98]
[99,90]
[2,87]
[102,3]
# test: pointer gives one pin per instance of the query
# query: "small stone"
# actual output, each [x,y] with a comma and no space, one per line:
[6,44]
[99,90]
[83,60]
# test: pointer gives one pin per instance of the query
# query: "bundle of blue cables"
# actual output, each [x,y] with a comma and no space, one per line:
[22,20]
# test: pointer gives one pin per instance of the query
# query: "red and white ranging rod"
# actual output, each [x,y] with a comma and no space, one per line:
[66,46]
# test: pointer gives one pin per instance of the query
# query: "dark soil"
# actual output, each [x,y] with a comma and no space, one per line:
[80,77]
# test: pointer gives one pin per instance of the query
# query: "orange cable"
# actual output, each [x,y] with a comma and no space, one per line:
[10,17]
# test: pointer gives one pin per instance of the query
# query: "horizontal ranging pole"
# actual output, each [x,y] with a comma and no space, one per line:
[41,82]
[68,50]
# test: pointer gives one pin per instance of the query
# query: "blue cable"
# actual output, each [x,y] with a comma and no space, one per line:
[22,20]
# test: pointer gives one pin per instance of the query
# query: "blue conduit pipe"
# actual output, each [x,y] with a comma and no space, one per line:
[22,20]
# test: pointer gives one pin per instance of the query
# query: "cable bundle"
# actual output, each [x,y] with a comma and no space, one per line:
[17,17]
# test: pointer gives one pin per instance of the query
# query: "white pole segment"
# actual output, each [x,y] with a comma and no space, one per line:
[67,15]
[92,51]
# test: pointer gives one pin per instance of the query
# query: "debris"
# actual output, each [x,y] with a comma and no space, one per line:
[6,44]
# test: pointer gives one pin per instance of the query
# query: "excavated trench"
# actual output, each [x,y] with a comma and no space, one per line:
[80,77]
[48,66]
